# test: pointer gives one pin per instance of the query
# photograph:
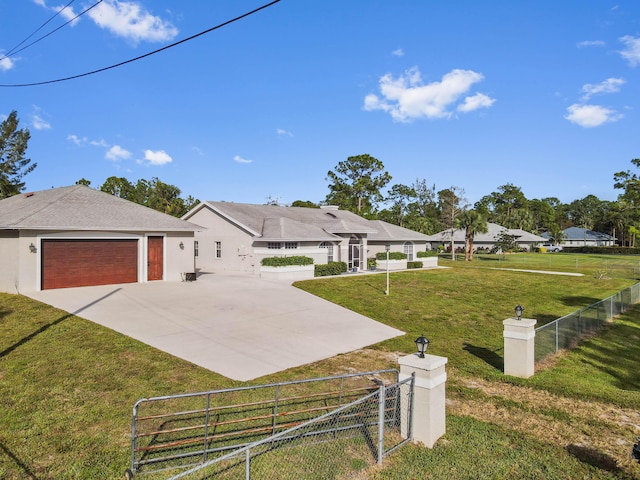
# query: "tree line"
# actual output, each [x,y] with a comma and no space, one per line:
[362,185]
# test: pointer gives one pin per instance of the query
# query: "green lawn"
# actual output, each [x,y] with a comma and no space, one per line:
[67,385]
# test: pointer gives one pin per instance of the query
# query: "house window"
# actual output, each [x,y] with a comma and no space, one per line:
[408,250]
[195,248]
[274,245]
[218,249]
[329,247]
[290,245]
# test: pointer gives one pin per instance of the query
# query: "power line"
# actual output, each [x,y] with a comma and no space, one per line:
[93,72]
[13,51]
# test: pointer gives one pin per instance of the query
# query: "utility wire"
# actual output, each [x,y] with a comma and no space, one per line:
[244,15]
[13,51]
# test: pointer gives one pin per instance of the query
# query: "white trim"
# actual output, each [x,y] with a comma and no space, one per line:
[428,383]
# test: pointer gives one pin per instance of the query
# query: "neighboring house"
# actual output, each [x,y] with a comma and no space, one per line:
[524,239]
[238,236]
[77,236]
[578,237]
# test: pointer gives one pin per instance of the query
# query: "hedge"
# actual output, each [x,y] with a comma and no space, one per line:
[428,253]
[331,268]
[603,250]
[392,256]
[414,264]
[286,261]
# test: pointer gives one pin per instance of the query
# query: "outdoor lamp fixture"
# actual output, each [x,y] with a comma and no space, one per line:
[387,247]
[519,309]
[181,246]
[32,248]
[422,343]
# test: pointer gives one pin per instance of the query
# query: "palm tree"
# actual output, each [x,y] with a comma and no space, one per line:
[472,221]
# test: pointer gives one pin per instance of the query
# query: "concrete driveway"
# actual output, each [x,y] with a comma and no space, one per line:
[239,326]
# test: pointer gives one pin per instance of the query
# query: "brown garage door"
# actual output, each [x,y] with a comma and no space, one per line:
[80,263]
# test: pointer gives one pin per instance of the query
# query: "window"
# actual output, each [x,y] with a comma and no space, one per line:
[408,250]
[329,247]
[290,245]
[195,248]
[218,249]
[274,245]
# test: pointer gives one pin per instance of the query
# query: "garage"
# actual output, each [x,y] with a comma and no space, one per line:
[80,263]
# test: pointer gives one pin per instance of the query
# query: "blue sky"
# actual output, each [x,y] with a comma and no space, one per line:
[474,94]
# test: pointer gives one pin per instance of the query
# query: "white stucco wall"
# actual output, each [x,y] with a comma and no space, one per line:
[9,261]
[20,269]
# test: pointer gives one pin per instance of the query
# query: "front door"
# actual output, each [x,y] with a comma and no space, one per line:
[155,265]
[354,256]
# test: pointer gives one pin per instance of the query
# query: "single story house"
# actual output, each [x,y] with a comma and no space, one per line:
[237,236]
[579,237]
[77,236]
[524,239]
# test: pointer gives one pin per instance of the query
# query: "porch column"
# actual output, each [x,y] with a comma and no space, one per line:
[519,347]
[428,420]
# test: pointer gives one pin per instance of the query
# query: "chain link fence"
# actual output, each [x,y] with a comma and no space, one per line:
[335,445]
[566,332]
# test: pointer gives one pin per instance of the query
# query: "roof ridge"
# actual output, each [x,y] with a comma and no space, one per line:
[48,204]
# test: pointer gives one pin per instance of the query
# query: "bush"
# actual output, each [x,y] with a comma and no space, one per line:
[428,253]
[414,264]
[603,250]
[331,268]
[392,256]
[286,261]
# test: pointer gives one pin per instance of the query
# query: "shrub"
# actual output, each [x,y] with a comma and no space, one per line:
[414,264]
[603,250]
[392,256]
[286,261]
[428,253]
[331,268]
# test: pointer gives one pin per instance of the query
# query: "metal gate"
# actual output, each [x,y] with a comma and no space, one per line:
[179,432]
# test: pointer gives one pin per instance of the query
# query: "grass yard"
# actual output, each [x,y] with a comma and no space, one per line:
[67,385]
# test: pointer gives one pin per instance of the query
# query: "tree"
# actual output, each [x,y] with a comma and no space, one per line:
[304,203]
[13,164]
[84,181]
[451,204]
[629,200]
[356,184]
[151,193]
[400,196]
[508,207]
[472,222]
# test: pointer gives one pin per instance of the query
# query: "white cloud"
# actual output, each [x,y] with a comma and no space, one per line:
[280,131]
[130,20]
[610,85]
[239,159]
[158,157]
[479,100]
[632,51]
[398,52]
[98,143]
[65,11]
[406,98]
[39,123]
[6,63]
[590,43]
[116,153]
[589,116]
[77,140]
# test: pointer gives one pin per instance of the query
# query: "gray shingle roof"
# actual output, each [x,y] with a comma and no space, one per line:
[388,232]
[577,233]
[493,230]
[300,222]
[82,208]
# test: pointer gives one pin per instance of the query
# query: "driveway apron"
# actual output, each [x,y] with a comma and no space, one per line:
[241,327]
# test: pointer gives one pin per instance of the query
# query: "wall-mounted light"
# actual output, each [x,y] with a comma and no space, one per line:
[181,246]
[33,248]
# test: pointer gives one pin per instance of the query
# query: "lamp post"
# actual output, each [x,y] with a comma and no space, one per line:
[387,247]
[422,343]
[519,309]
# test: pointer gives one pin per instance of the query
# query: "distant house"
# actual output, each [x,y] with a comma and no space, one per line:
[524,239]
[238,236]
[77,236]
[578,237]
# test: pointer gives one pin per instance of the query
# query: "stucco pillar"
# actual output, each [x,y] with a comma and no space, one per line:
[428,421]
[519,347]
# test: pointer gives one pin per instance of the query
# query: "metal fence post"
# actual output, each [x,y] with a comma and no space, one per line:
[247,464]
[381,403]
